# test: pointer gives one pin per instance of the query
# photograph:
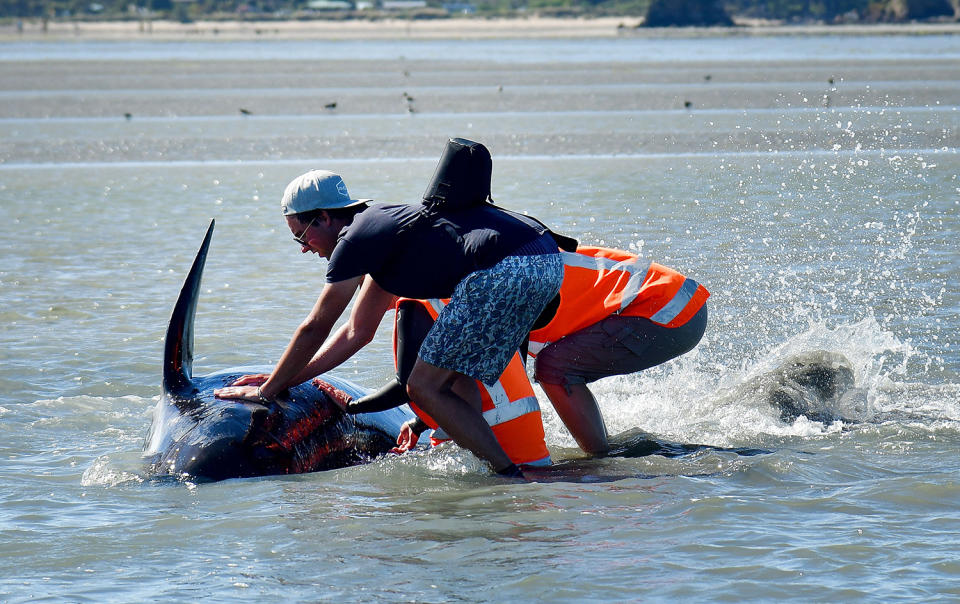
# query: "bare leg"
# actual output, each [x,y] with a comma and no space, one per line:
[466,388]
[580,414]
[432,389]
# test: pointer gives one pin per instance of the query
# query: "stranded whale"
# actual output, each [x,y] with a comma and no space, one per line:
[197,436]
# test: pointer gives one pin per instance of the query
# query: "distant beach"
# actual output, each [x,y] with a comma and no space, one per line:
[452,28]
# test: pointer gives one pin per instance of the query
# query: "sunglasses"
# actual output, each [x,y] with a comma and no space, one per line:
[299,238]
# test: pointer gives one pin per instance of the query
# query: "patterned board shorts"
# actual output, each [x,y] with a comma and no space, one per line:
[489,315]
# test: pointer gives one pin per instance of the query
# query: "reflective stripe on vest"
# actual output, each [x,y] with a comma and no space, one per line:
[600,264]
[503,412]
[676,304]
[534,347]
[436,305]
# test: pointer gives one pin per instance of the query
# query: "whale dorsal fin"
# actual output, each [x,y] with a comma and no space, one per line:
[178,347]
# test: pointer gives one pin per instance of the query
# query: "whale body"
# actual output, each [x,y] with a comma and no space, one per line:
[198,437]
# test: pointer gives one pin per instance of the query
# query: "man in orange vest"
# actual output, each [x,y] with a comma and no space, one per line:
[614,315]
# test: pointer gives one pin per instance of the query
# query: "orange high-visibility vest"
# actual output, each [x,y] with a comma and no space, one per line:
[599,282]
[510,407]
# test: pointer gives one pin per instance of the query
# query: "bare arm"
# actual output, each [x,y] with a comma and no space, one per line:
[306,340]
[372,303]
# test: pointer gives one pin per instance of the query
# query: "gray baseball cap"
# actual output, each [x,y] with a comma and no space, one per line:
[316,190]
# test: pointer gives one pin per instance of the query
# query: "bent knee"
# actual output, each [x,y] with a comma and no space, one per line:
[416,387]
[425,383]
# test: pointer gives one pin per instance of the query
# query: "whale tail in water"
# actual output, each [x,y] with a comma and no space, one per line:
[198,436]
[818,385]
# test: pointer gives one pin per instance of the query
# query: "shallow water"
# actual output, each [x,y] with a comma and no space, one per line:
[821,215]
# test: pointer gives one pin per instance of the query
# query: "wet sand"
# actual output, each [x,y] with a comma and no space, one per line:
[110,109]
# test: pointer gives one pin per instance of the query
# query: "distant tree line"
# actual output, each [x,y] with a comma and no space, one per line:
[825,11]
[831,11]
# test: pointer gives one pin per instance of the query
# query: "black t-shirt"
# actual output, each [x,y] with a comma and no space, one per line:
[426,256]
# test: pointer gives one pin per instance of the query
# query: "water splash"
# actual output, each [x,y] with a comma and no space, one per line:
[695,400]
[114,470]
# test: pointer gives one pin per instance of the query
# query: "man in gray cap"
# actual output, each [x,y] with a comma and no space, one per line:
[499,269]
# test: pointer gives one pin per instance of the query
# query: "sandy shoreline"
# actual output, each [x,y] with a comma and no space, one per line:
[454,28]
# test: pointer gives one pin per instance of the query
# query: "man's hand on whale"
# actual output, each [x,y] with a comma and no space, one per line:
[245,388]
[243,393]
[253,379]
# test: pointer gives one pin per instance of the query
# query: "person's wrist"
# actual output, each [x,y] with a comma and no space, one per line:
[261,398]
